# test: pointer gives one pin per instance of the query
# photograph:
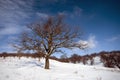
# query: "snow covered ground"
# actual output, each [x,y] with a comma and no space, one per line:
[31,69]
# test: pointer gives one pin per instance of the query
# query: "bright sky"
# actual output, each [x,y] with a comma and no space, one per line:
[99,19]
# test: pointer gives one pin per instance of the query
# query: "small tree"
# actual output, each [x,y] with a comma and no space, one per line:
[75,58]
[49,37]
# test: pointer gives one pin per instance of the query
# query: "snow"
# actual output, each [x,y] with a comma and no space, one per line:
[97,61]
[32,69]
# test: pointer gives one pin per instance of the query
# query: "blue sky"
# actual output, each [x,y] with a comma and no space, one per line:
[99,20]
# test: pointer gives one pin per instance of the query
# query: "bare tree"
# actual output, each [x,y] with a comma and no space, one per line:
[49,37]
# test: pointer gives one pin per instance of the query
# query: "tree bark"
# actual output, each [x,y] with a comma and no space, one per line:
[46,62]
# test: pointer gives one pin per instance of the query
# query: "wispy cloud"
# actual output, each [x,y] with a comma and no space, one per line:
[112,39]
[76,12]
[92,42]
[42,15]
[12,15]
[9,30]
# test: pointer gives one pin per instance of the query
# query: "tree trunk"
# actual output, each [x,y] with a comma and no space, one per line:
[46,62]
[39,59]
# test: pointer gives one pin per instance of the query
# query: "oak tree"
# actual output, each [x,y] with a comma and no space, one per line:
[49,36]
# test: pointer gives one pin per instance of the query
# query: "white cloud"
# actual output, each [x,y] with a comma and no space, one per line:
[112,39]
[83,44]
[90,43]
[14,9]
[12,13]
[9,30]
[41,15]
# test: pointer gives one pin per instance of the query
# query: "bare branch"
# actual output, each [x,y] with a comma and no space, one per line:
[49,36]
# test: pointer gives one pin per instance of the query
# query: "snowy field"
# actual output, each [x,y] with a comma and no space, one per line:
[32,69]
